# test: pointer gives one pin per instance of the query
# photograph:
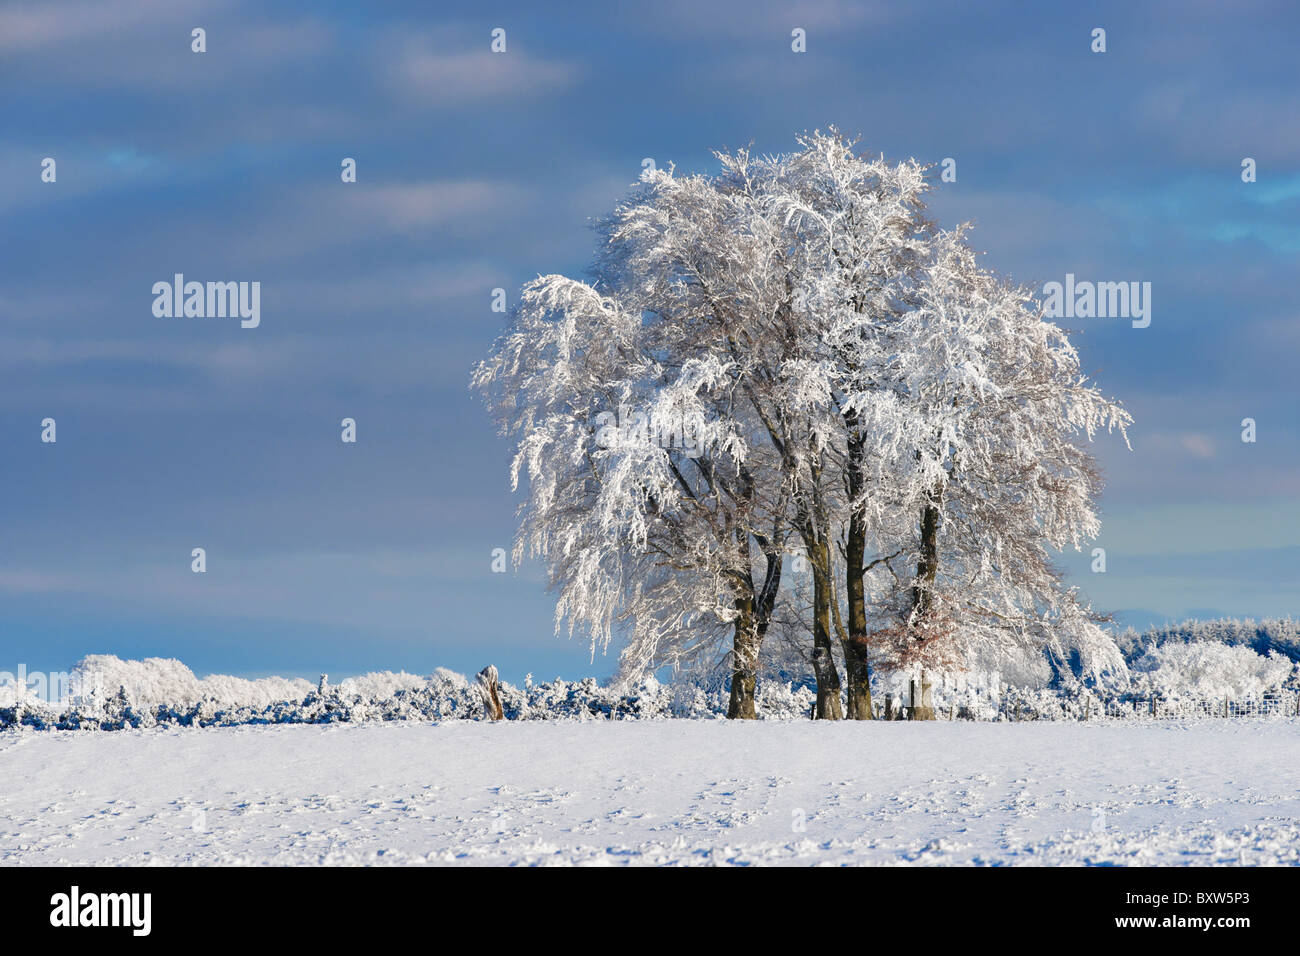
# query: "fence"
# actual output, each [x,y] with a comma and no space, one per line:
[1282,705]
[1047,705]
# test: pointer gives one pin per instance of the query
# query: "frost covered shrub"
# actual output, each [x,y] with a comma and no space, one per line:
[1199,674]
[646,699]
[158,692]
[1281,635]
[1207,670]
[1073,649]
[157,680]
[381,684]
[1035,703]
[586,700]
[28,712]
[693,702]
[781,701]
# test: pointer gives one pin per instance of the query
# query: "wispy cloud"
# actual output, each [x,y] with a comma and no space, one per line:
[449,71]
[419,206]
[40,25]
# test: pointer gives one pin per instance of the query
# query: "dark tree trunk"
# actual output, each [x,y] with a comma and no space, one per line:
[755,613]
[927,568]
[856,668]
[744,664]
[927,571]
[817,543]
[828,678]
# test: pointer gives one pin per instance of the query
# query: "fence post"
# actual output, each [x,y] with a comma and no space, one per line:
[488,684]
[1153,705]
[926,710]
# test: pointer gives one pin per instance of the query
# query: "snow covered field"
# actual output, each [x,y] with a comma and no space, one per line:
[673,791]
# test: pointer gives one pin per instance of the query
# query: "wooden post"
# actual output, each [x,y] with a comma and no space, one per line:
[924,710]
[889,707]
[487,682]
[927,703]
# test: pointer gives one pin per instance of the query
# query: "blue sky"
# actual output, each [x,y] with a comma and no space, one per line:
[479,170]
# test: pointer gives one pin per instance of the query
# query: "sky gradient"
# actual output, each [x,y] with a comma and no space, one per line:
[479,170]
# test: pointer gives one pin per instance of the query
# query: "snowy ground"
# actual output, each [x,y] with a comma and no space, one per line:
[681,792]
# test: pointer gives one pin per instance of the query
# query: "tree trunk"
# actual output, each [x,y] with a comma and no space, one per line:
[856,668]
[744,664]
[828,678]
[755,614]
[858,678]
[927,568]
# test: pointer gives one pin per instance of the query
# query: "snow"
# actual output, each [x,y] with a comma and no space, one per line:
[657,792]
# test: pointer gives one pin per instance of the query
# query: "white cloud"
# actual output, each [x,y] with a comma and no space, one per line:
[445,75]
[144,45]
[775,18]
[1197,445]
[424,205]
[38,25]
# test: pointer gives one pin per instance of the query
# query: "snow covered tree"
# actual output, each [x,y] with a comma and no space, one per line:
[858,235]
[987,462]
[649,507]
[852,381]
[959,409]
